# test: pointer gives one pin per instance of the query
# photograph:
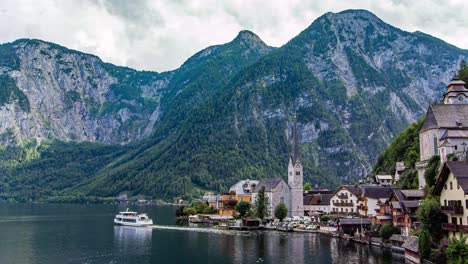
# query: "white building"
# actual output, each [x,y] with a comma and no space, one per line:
[345,200]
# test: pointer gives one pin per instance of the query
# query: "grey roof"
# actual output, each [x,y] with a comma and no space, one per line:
[455,134]
[268,184]
[446,116]
[413,193]
[399,238]
[355,221]
[244,187]
[411,244]
[411,204]
[459,170]
[376,192]
[322,199]
[396,205]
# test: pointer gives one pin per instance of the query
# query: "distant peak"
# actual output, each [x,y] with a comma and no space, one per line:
[247,35]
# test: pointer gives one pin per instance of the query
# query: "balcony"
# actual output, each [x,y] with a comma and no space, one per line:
[449,227]
[463,228]
[342,196]
[342,204]
[451,209]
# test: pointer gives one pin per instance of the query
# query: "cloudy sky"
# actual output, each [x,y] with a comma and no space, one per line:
[161,34]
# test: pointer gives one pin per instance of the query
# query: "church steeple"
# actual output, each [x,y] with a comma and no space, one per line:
[456,92]
[295,148]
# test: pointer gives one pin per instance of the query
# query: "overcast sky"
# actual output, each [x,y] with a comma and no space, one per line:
[160,35]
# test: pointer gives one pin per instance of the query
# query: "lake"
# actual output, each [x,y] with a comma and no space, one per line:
[64,233]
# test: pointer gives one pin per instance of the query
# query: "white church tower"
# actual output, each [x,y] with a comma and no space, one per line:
[295,178]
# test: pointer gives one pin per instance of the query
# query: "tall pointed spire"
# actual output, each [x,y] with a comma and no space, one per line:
[296,141]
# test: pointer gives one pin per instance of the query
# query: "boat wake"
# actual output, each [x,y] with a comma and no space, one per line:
[203,230]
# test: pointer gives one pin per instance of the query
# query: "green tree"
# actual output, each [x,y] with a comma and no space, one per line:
[281,211]
[424,244]
[431,217]
[457,250]
[432,170]
[307,186]
[387,230]
[261,204]
[190,211]
[242,208]
[324,218]
[463,72]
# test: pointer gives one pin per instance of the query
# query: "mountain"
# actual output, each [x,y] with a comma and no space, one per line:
[352,81]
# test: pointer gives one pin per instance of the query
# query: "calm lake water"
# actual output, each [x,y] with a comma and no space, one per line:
[59,233]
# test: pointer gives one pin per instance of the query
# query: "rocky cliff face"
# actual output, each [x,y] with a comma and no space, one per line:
[74,96]
[353,81]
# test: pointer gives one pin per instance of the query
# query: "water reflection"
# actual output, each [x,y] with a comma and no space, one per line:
[129,240]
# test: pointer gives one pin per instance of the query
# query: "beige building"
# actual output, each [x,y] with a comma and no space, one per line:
[371,197]
[445,128]
[452,187]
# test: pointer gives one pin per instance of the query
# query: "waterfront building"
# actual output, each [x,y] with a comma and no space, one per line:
[243,190]
[276,191]
[404,204]
[445,128]
[452,188]
[227,204]
[384,214]
[212,199]
[370,197]
[317,203]
[345,199]
[411,249]
[350,226]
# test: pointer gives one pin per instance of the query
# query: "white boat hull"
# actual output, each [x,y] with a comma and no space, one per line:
[137,223]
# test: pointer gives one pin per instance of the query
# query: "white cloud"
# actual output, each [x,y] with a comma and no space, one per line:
[160,35]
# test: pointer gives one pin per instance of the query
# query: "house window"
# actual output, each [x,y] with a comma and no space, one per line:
[451,186]
[297,173]
[346,209]
[282,199]
[466,201]
[352,210]
[458,186]
[445,186]
[445,202]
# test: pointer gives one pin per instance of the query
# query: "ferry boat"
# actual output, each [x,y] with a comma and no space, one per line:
[129,218]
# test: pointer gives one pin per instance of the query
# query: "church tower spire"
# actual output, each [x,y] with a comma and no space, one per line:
[295,176]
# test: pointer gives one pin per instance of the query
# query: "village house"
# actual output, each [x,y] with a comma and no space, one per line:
[384,214]
[384,180]
[317,203]
[445,129]
[452,187]
[404,204]
[371,197]
[345,200]
[351,226]
[227,204]
[243,190]
[212,199]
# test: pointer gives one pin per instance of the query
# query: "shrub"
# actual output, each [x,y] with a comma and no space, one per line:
[387,230]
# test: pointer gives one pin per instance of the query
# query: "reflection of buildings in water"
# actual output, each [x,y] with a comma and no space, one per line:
[133,240]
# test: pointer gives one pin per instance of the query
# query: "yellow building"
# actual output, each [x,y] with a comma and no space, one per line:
[241,191]
[452,187]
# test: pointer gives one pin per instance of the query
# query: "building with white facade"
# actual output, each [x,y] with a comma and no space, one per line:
[345,200]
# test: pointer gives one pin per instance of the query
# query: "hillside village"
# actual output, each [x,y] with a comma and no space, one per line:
[357,211]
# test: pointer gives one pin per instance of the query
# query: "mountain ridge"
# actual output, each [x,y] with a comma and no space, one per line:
[353,81]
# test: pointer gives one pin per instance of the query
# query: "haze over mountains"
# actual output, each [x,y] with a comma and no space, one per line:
[353,81]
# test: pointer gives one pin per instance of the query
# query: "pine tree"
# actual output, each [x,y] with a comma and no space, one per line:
[261,204]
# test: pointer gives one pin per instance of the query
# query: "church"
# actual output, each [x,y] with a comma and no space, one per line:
[445,128]
[290,193]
